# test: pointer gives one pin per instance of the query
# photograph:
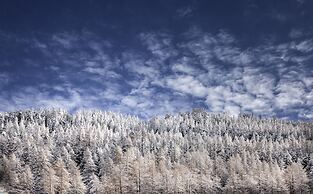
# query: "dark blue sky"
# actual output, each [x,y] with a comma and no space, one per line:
[154,57]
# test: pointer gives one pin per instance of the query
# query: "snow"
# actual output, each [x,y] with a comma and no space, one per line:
[2,189]
[194,152]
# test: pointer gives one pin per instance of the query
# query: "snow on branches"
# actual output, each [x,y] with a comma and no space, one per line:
[51,151]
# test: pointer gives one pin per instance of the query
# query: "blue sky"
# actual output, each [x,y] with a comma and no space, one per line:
[150,58]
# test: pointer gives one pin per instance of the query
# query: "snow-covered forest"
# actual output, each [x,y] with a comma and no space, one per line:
[52,151]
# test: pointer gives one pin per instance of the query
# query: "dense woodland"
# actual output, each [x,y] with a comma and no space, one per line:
[52,151]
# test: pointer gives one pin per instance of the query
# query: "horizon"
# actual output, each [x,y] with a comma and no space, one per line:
[163,116]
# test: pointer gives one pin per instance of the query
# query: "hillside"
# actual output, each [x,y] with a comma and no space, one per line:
[52,151]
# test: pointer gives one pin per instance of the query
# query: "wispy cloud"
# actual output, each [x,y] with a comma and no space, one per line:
[185,12]
[186,84]
[4,79]
[168,74]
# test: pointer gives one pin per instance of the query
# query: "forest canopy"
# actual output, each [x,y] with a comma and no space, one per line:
[52,151]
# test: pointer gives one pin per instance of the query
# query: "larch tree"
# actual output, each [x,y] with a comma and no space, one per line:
[15,172]
[279,179]
[95,185]
[48,179]
[296,178]
[63,183]
[89,168]
[77,184]
[148,174]
[234,181]
[27,180]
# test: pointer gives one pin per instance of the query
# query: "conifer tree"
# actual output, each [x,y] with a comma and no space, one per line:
[89,168]
[296,178]
[27,180]
[63,183]
[77,184]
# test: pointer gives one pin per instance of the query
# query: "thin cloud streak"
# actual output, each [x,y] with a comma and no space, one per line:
[166,75]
